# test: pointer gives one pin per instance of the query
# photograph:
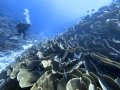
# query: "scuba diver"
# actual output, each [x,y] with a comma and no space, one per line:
[22,27]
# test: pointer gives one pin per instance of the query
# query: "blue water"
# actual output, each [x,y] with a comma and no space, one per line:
[53,16]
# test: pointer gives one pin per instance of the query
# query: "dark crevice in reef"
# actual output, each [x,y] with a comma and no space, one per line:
[86,57]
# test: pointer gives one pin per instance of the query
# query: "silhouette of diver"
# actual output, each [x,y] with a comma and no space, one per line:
[22,27]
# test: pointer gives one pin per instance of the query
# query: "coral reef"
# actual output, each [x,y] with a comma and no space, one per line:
[86,57]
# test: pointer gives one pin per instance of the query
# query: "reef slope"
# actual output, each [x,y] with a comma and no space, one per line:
[86,57]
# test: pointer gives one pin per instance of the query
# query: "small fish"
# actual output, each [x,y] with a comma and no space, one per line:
[88,11]
[93,10]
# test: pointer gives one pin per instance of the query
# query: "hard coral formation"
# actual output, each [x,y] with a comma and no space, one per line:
[86,57]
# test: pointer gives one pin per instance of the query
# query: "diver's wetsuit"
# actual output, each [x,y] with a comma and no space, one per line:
[21,29]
